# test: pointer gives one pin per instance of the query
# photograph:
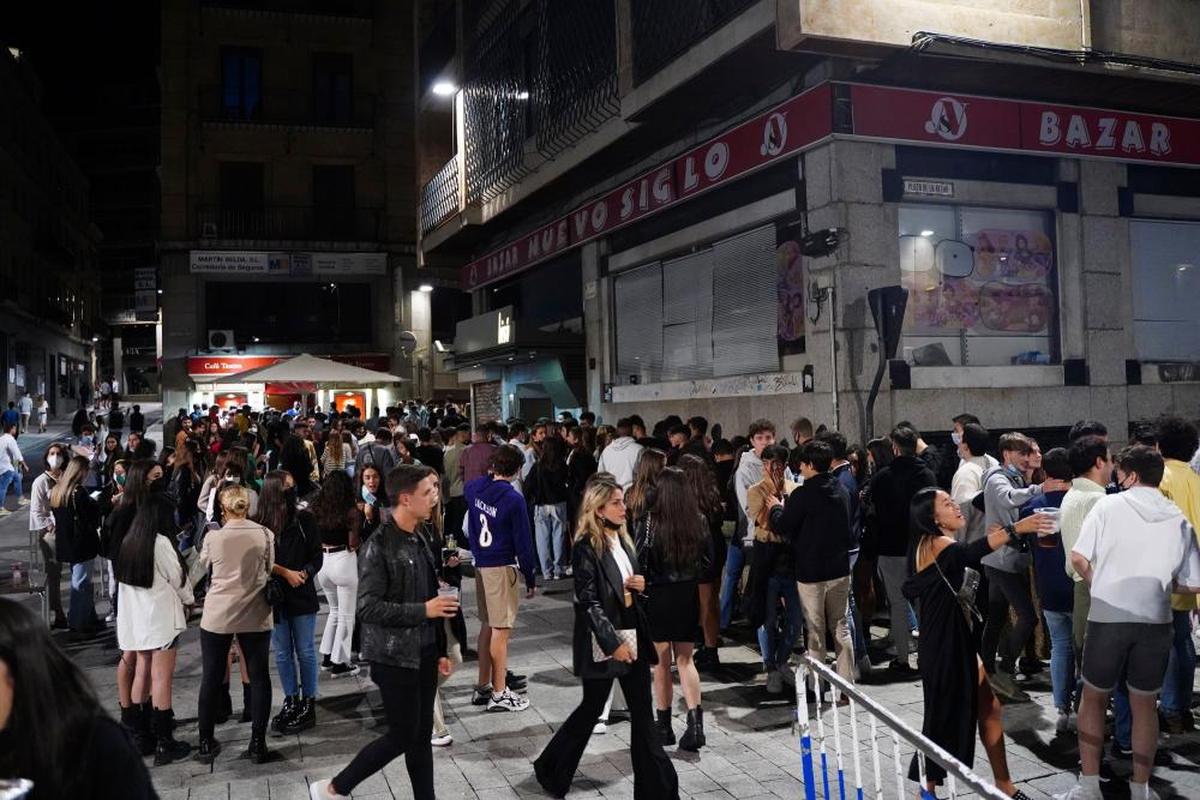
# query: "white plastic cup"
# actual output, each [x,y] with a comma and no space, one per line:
[449,591]
[1053,513]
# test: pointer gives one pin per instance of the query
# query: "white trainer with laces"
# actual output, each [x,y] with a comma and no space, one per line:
[444,740]
[508,701]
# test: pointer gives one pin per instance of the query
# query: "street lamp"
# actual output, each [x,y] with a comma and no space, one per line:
[444,88]
[425,287]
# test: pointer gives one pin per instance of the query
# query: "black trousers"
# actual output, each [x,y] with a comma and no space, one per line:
[214,650]
[456,509]
[404,692]
[1007,589]
[654,775]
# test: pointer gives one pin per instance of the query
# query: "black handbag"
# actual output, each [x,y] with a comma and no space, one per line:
[274,592]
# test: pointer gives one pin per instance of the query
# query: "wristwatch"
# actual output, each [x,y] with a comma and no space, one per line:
[1014,540]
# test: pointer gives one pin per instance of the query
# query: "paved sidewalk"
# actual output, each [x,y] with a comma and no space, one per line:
[751,752]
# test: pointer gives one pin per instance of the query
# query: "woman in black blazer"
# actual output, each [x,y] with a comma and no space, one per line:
[608,594]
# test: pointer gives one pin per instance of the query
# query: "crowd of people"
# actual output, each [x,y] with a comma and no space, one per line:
[989,555]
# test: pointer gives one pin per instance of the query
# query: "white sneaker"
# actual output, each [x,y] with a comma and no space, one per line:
[4,512]
[509,701]
[445,740]
[600,728]
[319,790]
[24,501]
[1079,792]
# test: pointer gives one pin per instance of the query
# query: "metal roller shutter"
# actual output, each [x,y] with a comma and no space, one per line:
[639,313]
[744,304]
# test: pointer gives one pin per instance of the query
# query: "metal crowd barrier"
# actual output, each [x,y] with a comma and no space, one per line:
[957,773]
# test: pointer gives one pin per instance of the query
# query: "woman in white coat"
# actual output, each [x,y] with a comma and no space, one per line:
[154,597]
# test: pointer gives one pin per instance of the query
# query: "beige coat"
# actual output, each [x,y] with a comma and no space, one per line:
[240,554]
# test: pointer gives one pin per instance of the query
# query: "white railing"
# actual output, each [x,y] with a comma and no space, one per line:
[956,772]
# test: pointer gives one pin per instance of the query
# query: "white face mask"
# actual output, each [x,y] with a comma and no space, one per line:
[956,438]
[54,461]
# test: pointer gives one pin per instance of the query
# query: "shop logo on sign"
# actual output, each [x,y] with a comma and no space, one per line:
[774,135]
[948,119]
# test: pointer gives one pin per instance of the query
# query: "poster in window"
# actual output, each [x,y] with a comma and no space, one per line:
[1002,288]
[790,297]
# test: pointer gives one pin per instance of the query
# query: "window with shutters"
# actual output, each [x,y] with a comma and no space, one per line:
[706,314]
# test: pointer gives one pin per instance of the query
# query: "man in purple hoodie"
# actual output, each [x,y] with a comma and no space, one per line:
[498,531]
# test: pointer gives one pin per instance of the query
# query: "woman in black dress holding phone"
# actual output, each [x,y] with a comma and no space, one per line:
[607,600]
[958,697]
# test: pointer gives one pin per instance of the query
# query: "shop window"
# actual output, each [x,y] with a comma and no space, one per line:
[982,286]
[1165,259]
[707,314]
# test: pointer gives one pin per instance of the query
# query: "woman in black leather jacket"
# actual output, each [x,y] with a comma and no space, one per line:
[608,595]
[674,549]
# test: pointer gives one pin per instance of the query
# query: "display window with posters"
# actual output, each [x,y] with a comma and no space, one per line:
[1165,263]
[982,286]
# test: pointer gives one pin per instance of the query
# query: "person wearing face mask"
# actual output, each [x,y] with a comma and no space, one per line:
[76,525]
[1007,568]
[41,523]
[372,500]
[104,457]
[608,598]
[974,463]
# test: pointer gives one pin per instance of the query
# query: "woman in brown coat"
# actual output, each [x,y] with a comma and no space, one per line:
[240,554]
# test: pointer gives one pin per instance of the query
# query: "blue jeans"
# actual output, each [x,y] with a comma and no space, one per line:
[735,559]
[81,612]
[294,639]
[776,649]
[1062,657]
[1181,667]
[549,526]
[13,476]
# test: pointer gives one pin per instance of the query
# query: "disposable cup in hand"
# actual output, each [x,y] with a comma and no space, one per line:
[1053,515]
[448,591]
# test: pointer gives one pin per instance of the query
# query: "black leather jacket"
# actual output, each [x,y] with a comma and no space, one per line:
[391,610]
[600,610]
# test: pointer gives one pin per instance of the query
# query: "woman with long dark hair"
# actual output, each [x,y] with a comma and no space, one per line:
[640,497]
[298,559]
[957,694]
[77,542]
[53,730]
[294,458]
[674,549]
[708,501]
[372,500]
[41,524]
[154,593]
[546,489]
[339,524]
[608,597]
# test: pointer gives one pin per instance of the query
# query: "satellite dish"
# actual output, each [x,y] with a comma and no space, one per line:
[408,341]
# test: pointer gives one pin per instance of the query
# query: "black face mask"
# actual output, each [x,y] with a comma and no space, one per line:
[158,485]
[609,524]
[289,494]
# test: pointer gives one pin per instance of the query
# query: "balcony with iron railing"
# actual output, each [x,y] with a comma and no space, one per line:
[662,30]
[440,197]
[293,108]
[289,223]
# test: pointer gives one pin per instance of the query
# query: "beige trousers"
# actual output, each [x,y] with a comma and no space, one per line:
[825,604]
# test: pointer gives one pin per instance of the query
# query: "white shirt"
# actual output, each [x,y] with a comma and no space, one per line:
[620,556]
[10,454]
[968,478]
[1139,545]
[150,619]
[25,404]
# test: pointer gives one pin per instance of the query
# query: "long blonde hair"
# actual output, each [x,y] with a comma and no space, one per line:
[73,475]
[596,494]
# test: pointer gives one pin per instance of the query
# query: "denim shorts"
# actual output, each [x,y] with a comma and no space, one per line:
[1138,649]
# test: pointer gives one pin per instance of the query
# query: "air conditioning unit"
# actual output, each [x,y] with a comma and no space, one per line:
[208,230]
[221,341]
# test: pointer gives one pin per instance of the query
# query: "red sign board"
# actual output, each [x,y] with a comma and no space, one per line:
[222,366]
[969,121]
[768,137]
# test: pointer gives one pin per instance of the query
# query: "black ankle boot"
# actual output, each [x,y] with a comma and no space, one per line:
[693,737]
[662,724]
[303,718]
[131,718]
[246,704]
[257,751]
[145,729]
[224,708]
[206,751]
[285,714]
[167,748]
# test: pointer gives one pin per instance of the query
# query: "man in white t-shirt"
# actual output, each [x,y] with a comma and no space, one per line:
[25,406]
[1135,548]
